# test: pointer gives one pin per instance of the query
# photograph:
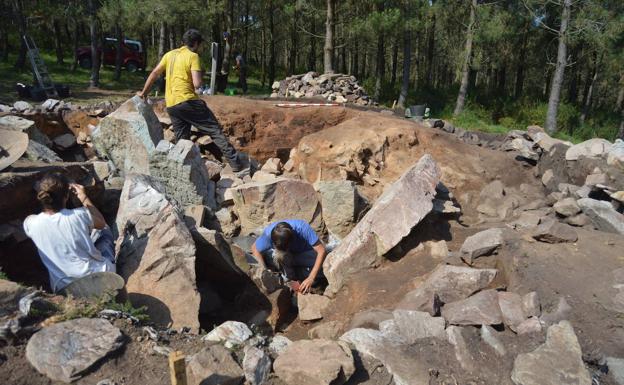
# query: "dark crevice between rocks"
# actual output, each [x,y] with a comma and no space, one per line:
[434,227]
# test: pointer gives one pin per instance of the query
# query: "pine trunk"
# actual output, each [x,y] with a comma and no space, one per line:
[95,55]
[407,58]
[395,59]
[430,51]
[162,37]
[620,97]
[557,80]
[463,88]
[294,45]
[271,44]
[521,63]
[312,53]
[58,42]
[328,48]
[590,92]
[21,24]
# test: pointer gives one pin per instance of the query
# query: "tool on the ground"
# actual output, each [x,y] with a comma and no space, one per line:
[295,105]
[177,368]
[39,68]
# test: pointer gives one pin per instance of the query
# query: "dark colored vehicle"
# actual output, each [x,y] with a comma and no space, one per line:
[133,56]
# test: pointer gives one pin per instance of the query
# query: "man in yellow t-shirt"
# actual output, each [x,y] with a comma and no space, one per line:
[183,76]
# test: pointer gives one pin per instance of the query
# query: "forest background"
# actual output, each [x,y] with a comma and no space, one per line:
[490,65]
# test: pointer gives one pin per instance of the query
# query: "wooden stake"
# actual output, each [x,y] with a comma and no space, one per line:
[177,368]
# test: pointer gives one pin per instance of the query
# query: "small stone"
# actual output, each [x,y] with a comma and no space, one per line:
[370,318]
[511,306]
[438,249]
[256,366]
[315,362]
[567,207]
[327,330]
[65,141]
[194,215]
[482,243]
[213,169]
[548,180]
[278,344]
[480,309]
[272,166]
[531,325]
[232,332]
[552,231]
[414,325]
[213,365]
[526,220]
[21,106]
[311,306]
[578,220]
[616,368]
[596,179]
[204,140]
[603,215]
[488,335]
[560,313]
[559,360]
[531,304]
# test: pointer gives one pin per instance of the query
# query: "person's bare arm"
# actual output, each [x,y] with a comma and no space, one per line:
[306,285]
[256,254]
[98,219]
[197,78]
[156,72]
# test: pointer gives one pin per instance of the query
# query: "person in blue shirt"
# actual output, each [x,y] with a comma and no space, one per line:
[291,245]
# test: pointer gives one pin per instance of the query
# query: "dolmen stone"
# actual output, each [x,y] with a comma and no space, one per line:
[315,362]
[259,203]
[64,351]
[603,215]
[128,136]
[401,207]
[559,360]
[156,254]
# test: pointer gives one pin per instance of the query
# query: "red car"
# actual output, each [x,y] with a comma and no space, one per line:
[133,55]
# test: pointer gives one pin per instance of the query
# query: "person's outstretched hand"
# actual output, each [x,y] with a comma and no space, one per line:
[141,95]
[306,285]
[79,190]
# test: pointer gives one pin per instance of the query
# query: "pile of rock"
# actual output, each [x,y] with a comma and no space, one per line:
[338,88]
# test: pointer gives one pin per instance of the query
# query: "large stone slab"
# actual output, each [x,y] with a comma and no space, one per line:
[558,361]
[450,284]
[592,148]
[315,362]
[553,231]
[603,215]
[512,309]
[259,203]
[401,207]
[405,368]
[180,168]
[156,254]
[479,309]
[16,123]
[414,325]
[213,365]
[64,351]
[341,205]
[311,306]
[128,136]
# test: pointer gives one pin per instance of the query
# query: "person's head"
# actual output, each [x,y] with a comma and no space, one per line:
[53,191]
[192,39]
[281,235]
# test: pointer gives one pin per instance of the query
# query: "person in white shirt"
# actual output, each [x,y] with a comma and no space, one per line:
[72,243]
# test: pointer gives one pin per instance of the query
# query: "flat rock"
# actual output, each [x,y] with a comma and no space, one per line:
[512,309]
[480,244]
[315,362]
[27,126]
[449,283]
[406,369]
[38,152]
[256,366]
[401,207]
[10,294]
[21,106]
[479,309]
[603,215]
[526,220]
[156,254]
[128,136]
[272,166]
[65,141]
[232,333]
[259,203]
[558,360]
[213,365]
[553,231]
[311,306]
[414,325]
[615,157]
[616,368]
[567,207]
[64,351]
[278,344]
[528,326]
[531,304]
[327,330]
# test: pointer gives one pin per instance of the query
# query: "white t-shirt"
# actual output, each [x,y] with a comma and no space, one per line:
[65,246]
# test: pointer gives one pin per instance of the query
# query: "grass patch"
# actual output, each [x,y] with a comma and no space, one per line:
[72,308]
[4,276]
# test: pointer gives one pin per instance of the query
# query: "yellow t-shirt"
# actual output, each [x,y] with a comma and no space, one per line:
[178,65]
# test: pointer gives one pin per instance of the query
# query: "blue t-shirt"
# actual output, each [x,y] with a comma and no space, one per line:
[304,237]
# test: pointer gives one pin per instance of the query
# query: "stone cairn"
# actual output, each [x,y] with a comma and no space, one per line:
[339,88]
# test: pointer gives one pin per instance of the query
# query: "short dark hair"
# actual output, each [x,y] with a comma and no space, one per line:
[191,37]
[52,190]
[281,235]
